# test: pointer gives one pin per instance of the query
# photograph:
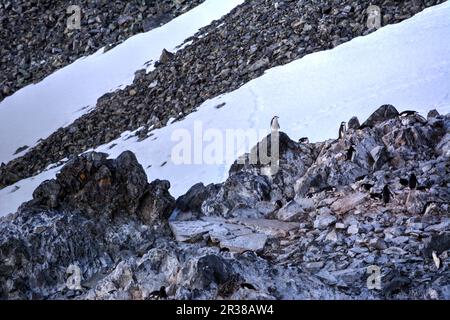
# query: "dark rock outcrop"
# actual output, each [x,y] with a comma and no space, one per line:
[193,199]
[156,204]
[353,123]
[213,269]
[94,185]
[166,56]
[98,186]
[384,113]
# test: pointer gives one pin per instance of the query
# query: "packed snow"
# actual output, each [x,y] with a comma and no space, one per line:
[407,65]
[38,110]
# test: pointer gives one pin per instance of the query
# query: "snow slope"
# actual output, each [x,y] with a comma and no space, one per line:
[407,65]
[38,110]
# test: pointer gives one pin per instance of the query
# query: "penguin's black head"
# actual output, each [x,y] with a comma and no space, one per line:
[279,204]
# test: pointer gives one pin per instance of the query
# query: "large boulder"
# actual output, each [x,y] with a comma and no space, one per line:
[95,185]
[383,113]
[98,186]
[157,204]
[193,199]
[212,269]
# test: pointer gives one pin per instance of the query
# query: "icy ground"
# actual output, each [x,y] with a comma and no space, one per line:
[407,65]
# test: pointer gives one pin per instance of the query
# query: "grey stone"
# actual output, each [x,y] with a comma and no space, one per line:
[353,123]
[295,209]
[383,113]
[323,221]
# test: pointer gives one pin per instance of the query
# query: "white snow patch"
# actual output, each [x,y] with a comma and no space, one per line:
[13,196]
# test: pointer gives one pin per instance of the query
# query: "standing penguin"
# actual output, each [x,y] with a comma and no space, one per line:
[412,182]
[351,152]
[274,124]
[386,194]
[342,129]
[304,140]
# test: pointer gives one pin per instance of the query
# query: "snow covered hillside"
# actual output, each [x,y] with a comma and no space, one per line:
[36,111]
[407,65]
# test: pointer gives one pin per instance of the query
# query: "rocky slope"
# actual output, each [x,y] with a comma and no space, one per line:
[377,198]
[254,37]
[36,42]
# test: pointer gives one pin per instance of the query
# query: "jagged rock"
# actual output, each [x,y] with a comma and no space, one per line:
[248,242]
[332,236]
[272,228]
[444,225]
[259,64]
[443,148]
[189,231]
[347,277]
[353,123]
[48,193]
[266,208]
[416,201]
[324,220]
[433,114]
[353,229]
[242,190]
[380,157]
[383,113]
[237,235]
[156,204]
[166,56]
[348,203]
[95,185]
[37,248]
[295,209]
[19,150]
[211,269]
[194,198]
[395,282]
